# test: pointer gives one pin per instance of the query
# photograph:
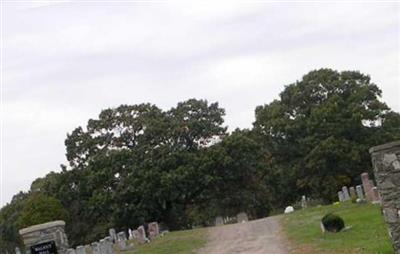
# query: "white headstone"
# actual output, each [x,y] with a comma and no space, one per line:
[289,209]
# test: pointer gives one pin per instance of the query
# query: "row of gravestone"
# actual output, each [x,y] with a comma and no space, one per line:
[240,218]
[105,246]
[365,192]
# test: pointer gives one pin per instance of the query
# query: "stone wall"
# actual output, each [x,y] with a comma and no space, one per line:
[41,233]
[386,163]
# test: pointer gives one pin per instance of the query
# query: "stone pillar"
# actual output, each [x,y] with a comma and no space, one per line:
[386,163]
[50,232]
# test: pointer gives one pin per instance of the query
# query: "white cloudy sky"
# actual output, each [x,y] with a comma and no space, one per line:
[64,62]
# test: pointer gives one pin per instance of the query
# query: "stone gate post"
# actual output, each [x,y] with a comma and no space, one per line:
[386,163]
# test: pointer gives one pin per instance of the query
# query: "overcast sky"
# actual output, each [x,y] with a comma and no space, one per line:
[64,62]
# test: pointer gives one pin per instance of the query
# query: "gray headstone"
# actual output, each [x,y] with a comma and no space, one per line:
[135,234]
[360,193]
[122,245]
[96,248]
[346,194]
[142,234]
[103,246]
[303,202]
[153,229]
[352,191]
[340,196]
[80,249]
[71,251]
[17,250]
[113,234]
[121,236]
[219,221]
[367,187]
[130,232]
[242,217]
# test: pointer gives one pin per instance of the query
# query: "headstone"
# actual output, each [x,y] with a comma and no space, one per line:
[121,236]
[88,249]
[130,234]
[109,245]
[121,245]
[346,194]
[103,246]
[17,250]
[153,229]
[303,202]
[242,217]
[142,234]
[386,163]
[360,193]
[135,234]
[113,234]
[219,221]
[340,196]
[45,235]
[353,194]
[96,248]
[376,195]
[369,196]
[71,251]
[80,249]
[289,209]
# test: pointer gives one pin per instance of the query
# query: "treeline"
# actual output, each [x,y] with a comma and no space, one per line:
[138,163]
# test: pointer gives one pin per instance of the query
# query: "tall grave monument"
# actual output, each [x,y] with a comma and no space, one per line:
[386,163]
[49,238]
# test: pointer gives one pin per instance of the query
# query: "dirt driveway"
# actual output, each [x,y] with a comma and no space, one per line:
[255,237]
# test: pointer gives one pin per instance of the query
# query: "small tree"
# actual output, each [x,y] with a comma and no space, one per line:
[40,208]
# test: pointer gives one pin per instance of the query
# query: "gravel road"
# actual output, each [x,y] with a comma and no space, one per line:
[255,237]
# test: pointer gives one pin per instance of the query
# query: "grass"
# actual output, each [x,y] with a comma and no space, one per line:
[368,233]
[179,242]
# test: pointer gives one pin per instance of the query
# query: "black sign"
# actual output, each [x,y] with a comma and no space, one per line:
[44,248]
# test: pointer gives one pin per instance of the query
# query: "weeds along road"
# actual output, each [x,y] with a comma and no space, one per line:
[254,237]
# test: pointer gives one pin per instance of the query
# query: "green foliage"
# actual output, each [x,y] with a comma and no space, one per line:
[319,131]
[332,222]
[138,163]
[9,214]
[40,209]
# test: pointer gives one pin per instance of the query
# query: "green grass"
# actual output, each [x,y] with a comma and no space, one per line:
[179,242]
[368,233]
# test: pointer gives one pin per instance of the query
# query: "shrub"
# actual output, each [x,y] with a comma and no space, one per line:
[333,223]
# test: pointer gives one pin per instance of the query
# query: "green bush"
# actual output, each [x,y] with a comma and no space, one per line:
[333,223]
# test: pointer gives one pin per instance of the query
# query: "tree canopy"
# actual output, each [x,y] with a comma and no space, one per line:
[138,163]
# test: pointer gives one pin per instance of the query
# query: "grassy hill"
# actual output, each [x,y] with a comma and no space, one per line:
[368,233]
[179,242]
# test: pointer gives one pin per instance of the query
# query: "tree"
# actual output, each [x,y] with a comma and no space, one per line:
[39,209]
[320,129]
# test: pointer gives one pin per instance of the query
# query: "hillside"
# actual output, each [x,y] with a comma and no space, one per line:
[367,233]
